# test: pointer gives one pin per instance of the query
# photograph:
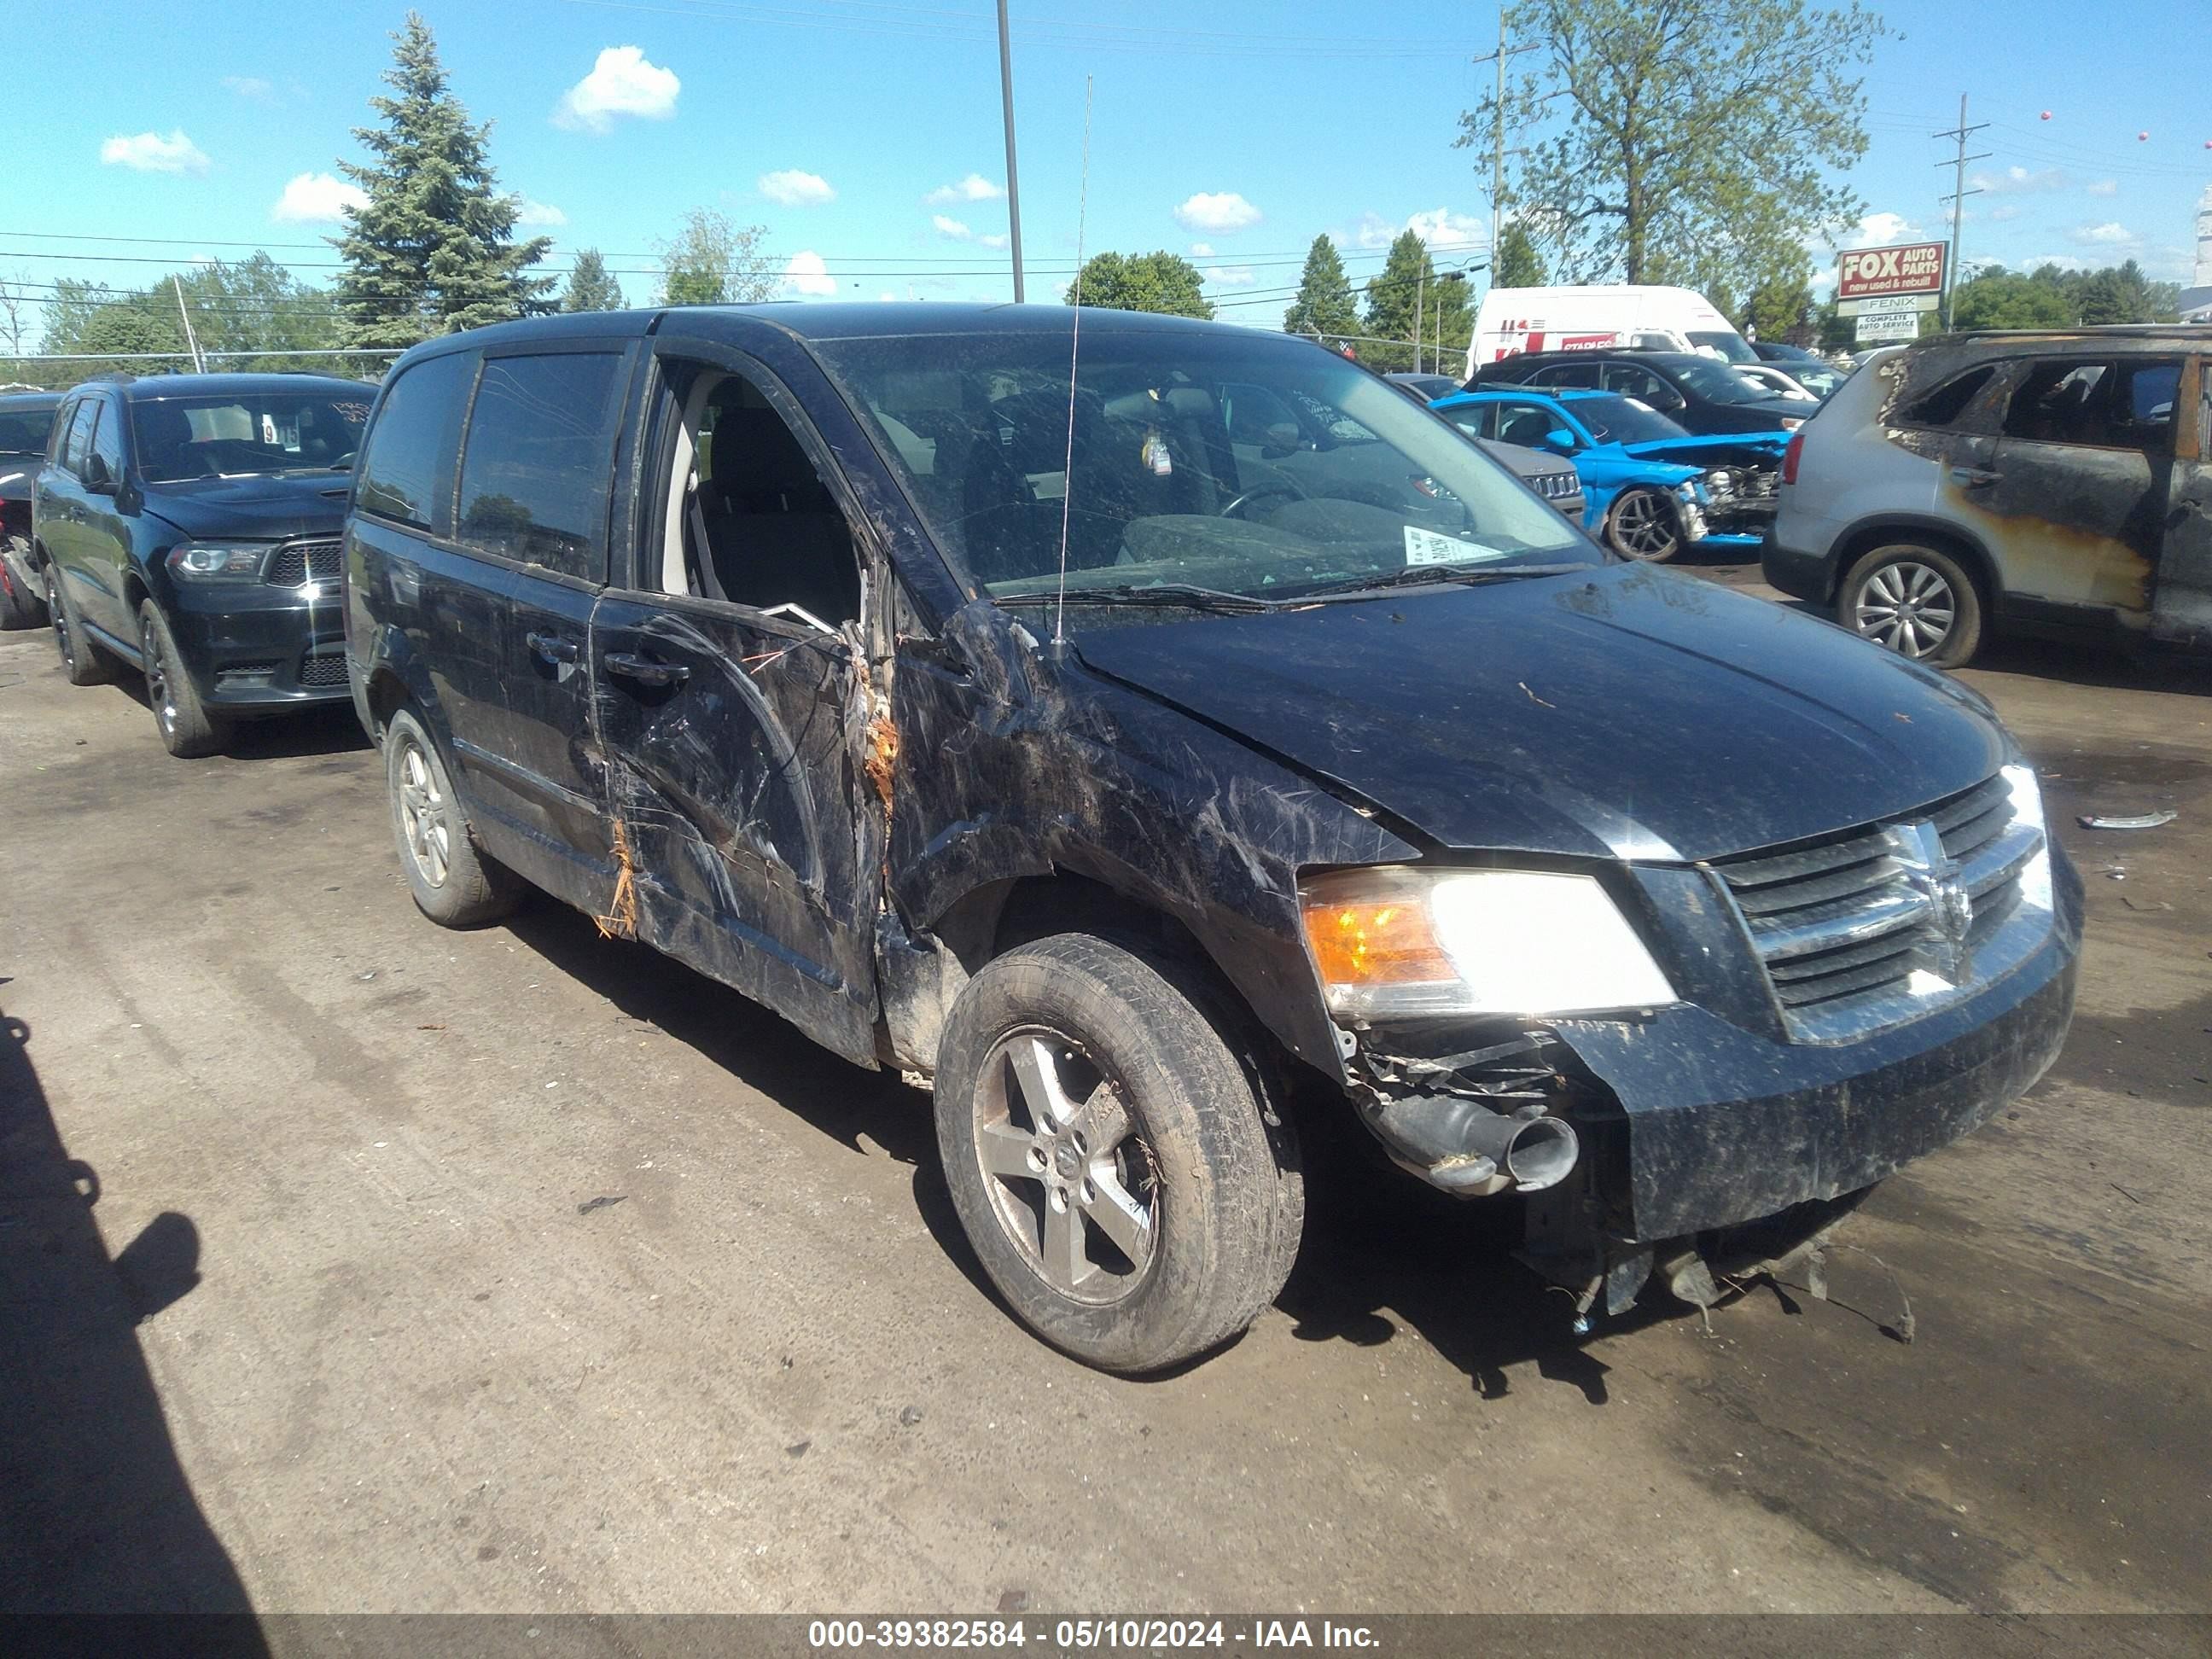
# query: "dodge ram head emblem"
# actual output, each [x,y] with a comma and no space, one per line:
[1918,851]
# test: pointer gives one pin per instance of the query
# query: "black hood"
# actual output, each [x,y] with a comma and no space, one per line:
[1630,712]
[264,507]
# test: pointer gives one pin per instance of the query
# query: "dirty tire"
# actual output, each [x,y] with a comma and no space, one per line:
[1218,1178]
[455,884]
[1919,602]
[22,606]
[188,730]
[84,662]
[1643,525]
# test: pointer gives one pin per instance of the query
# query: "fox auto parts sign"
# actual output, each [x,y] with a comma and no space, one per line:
[1865,272]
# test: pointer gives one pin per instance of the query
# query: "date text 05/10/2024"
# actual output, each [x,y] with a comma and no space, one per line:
[1087,1635]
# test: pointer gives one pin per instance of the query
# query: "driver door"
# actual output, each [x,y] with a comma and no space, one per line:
[732,707]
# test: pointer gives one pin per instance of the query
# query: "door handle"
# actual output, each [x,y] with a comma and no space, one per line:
[644,670]
[552,648]
[1974,476]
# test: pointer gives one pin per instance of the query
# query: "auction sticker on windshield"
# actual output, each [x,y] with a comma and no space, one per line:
[1427,547]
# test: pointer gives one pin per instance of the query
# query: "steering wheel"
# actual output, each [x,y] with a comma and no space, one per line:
[1275,486]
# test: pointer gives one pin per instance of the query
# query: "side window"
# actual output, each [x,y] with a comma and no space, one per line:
[1948,401]
[406,471]
[78,444]
[107,436]
[1526,424]
[1253,410]
[1627,378]
[2097,404]
[748,521]
[1574,374]
[537,470]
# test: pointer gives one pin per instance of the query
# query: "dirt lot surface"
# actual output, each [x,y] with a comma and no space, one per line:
[348,1264]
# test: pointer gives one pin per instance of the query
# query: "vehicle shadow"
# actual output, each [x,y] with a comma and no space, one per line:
[97,1515]
[2095,666]
[328,728]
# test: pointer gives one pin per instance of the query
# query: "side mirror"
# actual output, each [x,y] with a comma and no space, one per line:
[1560,439]
[98,480]
[1283,439]
[1666,400]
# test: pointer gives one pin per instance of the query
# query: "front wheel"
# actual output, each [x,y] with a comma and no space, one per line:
[188,730]
[453,884]
[1109,1156]
[1918,602]
[1643,524]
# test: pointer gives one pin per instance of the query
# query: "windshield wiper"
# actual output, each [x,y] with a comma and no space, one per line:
[1175,593]
[1417,575]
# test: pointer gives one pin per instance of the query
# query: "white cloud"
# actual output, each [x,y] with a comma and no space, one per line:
[794,188]
[623,81]
[2018,180]
[1231,275]
[2102,187]
[2064,261]
[1201,249]
[974,188]
[250,87]
[806,274]
[1217,211]
[2109,234]
[955,230]
[1446,232]
[2006,210]
[316,198]
[887,296]
[149,152]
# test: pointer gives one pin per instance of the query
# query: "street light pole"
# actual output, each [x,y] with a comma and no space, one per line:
[1013,182]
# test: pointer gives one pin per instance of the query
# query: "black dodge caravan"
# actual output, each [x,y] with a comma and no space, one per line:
[1131,781]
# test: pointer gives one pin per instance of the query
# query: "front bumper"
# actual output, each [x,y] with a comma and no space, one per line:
[249,645]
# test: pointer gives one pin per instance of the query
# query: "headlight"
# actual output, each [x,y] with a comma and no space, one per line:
[1395,943]
[218,562]
[1792,423]
[2027,808]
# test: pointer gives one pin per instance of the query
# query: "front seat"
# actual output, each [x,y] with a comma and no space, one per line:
[774,530]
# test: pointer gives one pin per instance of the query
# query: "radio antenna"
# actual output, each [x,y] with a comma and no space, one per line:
[1074,342]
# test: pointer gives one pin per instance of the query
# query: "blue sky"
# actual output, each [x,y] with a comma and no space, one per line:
[866,137]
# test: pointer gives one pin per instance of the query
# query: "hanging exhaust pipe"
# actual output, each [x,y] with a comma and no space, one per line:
[1464,1147]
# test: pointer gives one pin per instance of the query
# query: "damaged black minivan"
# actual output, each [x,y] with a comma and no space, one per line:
[1132,735]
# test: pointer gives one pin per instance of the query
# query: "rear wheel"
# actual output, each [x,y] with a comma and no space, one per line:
[1643,524]
[85,663]
[188,730]
[1109,1157]
[1918,601]
[22,604]
[455,884]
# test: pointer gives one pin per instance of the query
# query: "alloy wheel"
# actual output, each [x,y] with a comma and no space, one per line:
[1072,1180]
[423,816]
[59,617]
[1643,525]
[160,692]
[1907,606]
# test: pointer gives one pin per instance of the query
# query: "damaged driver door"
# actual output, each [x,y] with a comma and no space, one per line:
[730,696]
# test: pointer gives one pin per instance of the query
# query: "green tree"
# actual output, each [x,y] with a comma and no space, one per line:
[1396,296]
[432,250]
[1517,263]
[1163,282]
[2121,293]
[712,262]
[254,304]
[1449,325]
[1996,298]
[1325,307]
[1780,309]
[1652,128]
[590,287]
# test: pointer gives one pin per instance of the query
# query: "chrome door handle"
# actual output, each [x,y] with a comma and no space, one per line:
[1973,476]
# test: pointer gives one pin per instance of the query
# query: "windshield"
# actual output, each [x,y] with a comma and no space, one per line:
[1247,464]
[1717,383]
[227,436]
[1617,420]
[1731,345]
[23,431]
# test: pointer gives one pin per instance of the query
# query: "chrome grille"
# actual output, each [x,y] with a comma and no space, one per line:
[1556,486]
[301,561]
[1863,931]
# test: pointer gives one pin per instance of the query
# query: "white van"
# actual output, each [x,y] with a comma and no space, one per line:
[1516,319]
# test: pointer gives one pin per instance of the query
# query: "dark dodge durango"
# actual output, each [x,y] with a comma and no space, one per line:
[1147,790]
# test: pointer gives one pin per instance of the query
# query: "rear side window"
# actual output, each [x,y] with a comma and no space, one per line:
[1948,401]
[539,467]
[406,472]
[2102,405]
[79,442]
[1577,374]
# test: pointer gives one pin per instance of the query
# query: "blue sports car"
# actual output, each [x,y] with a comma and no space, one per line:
[1651,489]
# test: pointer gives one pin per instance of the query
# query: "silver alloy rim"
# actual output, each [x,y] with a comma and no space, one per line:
[157,679]
[1641,527]
[422,817]
[1907,606]
[1071,1181]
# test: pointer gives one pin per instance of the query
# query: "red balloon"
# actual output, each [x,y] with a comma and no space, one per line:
[2046,115]
[2142,138]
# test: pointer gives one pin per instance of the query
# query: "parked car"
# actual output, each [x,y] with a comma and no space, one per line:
[26,419]
[1974,483]
[187,525]
[1423,387]
[1766,378]
[1652,489]
[1511,321]
[1147,807]
[1699,394]
[1541,470]
[1816,374]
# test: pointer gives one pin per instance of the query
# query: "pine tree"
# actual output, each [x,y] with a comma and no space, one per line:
[432,250]
[1325,307]
[590,287]
[1394,297]
[1518,264]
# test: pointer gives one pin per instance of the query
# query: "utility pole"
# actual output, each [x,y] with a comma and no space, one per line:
[1421,290]
[1497,131]
[1013,184]
[192,341]
[1957,198]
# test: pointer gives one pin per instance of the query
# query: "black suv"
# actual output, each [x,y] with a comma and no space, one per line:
[1153,790]
[26,419]
[188,526]
[1699,393]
